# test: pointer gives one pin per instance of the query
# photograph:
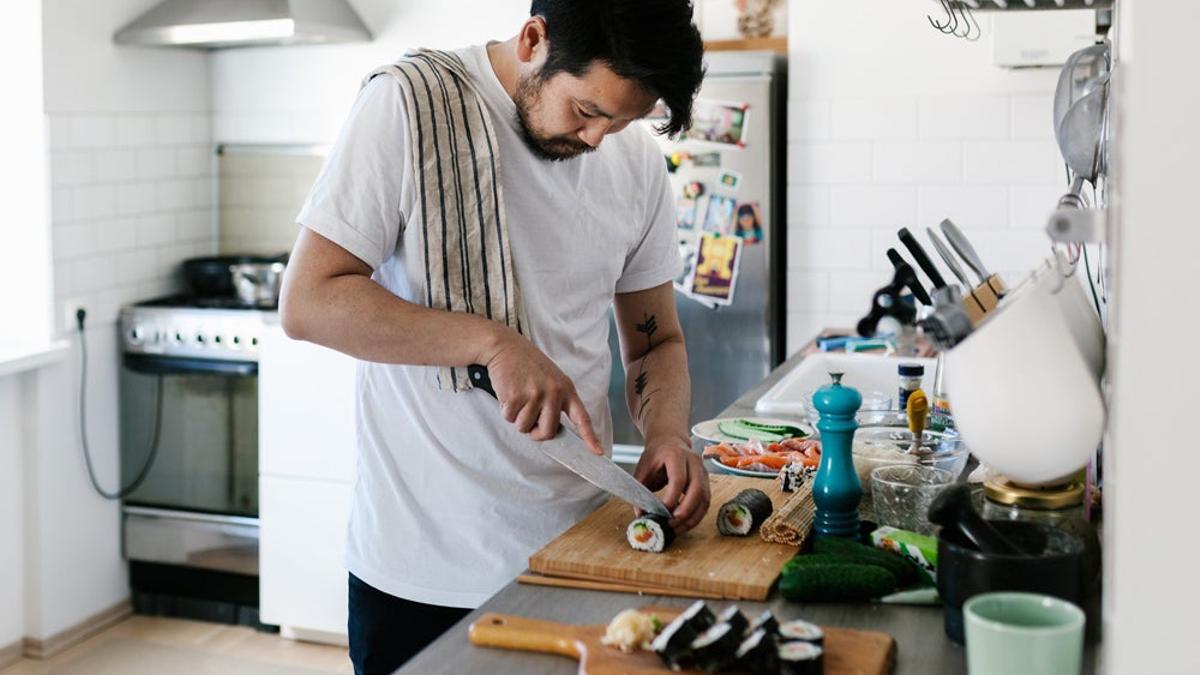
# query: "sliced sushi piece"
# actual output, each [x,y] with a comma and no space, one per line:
[674,643]
[734,617]
[793,476]
[757,654]
[802,631]
[740,515]
[716,648]
[801,658]
[765,621]
[699,616]
[649,533]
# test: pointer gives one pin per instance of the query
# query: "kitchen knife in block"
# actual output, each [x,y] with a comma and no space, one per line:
[962,246]
[847,651]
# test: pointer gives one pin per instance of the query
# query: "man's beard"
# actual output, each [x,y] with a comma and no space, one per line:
[552,148]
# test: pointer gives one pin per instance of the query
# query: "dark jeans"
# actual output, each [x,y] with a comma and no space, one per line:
[385,631]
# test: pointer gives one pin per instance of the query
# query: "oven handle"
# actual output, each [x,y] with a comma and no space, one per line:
[179,365]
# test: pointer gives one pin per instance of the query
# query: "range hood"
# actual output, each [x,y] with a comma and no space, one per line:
[215,24]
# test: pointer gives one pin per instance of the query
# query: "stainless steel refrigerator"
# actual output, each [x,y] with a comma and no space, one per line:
[735,152]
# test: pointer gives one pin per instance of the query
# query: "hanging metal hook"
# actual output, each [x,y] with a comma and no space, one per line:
[969,14]
[941,27]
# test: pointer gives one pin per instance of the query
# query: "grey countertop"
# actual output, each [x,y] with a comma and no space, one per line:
[923,647]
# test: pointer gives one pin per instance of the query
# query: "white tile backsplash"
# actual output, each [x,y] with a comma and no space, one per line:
[873,205]
[975,204]
[917,162]
[892,117]
[827,162]
[809,120]
[1013,162]
[828,249]
[961,116]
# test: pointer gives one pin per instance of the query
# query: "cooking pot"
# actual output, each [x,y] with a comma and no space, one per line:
[257,283]
[210,276]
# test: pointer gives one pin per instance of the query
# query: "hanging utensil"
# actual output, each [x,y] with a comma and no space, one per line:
[947,257]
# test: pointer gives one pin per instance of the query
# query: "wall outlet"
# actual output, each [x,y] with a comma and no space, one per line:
[69,307]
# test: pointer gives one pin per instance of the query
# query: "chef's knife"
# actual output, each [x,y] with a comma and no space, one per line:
[948,257]
[918,253]
[568,449]
[918,291]
[964,248]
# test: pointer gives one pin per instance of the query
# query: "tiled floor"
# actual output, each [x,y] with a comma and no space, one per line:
[158,646]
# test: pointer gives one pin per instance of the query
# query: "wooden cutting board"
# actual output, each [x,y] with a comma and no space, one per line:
[847,652]
[701,560]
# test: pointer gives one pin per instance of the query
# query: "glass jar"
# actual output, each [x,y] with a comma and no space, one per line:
[1059,506]
[911,375]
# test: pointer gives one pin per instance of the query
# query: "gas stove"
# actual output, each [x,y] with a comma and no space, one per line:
[209,328]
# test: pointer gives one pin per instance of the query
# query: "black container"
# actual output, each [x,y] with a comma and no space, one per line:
[964,571]
[209,277]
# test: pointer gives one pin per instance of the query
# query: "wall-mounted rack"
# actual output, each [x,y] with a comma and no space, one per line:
[1016,5]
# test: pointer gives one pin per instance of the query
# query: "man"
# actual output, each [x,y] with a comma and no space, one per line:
[452,493]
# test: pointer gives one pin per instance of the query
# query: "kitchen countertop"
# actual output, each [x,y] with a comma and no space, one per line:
[922,646]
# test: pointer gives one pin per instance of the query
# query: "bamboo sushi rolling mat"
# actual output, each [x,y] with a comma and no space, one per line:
[701,562]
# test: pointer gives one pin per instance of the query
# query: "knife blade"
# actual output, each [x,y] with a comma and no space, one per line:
[568,449]
[964,248]
[948,257]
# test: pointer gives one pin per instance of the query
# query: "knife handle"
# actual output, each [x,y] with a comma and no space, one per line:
[480,379]
[918,253]
[918,291]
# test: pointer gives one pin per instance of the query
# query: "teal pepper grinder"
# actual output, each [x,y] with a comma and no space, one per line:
[836,490]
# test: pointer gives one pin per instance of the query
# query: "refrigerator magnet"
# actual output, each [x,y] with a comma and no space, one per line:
[693,189]
[703,159]
[688,240]
[715,275]
[730,180]
[748,223]
[685,213]
[719,216]
[719,122]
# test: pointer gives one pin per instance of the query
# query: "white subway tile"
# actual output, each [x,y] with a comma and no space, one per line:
[981,206]
[1011,249]
[858,206]
[1012,162]
[1033,204]
[155,163]
[892,117]
[174,195]
[72,241]
[93,131]
[171,256]
[917,161]
[195,225]
[202,129]
[828,249]
[802,327]
[1033,116]
[851,292]
[64,278]
[135,198]
[202,192]
[95,273]
[60,131]
[135,130]
[964,116]
[71,167]
[137,265]
[95,201]
[116,165]
[193,160]
[115,235]
[807,291]
[825,163]
[62,205]
[173,129]
[807,206]
[809,120]
[155,229]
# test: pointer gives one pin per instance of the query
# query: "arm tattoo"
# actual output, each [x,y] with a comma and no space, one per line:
[648,327]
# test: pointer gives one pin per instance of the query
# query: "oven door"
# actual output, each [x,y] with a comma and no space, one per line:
[199,418]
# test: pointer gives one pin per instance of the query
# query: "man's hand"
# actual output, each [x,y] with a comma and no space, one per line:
[673,464]
[534,392]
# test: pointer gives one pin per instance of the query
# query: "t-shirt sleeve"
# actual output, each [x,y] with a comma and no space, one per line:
[356,199]
[654,258]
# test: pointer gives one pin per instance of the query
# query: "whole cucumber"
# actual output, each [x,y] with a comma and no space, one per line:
[845,582]
[901,568]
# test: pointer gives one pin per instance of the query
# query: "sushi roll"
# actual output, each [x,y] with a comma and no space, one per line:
[765,621]
[793,476]
[674,643]
[801,658]
[757,654]
[734,617]
[740,515]
[649,533]
[802,631]
[716,648]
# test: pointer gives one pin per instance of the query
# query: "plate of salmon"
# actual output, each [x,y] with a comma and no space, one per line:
[763,460]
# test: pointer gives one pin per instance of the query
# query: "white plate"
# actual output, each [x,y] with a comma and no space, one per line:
[708,430]
[716,467]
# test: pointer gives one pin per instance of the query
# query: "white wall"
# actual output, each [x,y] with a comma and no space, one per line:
[12,569]
[1149,570]
[893,124]
[131,196]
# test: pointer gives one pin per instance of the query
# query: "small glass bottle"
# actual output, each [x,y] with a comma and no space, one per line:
[910,381]
[940,415]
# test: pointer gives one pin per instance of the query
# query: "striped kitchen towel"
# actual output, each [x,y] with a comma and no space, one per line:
[464,233]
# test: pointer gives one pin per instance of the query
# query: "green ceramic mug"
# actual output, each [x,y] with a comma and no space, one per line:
[1023,633]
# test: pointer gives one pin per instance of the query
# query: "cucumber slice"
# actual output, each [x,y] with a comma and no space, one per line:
[743,433]
[785,430]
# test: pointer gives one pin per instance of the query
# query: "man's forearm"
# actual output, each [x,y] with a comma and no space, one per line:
[659,392]
[354,315]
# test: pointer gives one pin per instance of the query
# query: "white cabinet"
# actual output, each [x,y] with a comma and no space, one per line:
[306,473]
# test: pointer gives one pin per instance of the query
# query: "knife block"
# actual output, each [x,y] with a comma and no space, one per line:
[984,298]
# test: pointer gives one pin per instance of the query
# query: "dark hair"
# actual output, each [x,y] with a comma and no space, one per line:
[652,42]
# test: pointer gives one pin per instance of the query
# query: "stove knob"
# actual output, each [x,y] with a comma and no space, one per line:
[237,341]
[200,339]
[178,337]
[217,340]
[137,335]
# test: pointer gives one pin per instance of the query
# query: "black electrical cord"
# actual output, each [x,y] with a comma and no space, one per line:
[121,492]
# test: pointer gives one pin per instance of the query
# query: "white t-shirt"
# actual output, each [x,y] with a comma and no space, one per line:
[450,500]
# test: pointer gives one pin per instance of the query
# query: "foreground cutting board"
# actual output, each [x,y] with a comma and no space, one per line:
[847,652]
[701,560]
